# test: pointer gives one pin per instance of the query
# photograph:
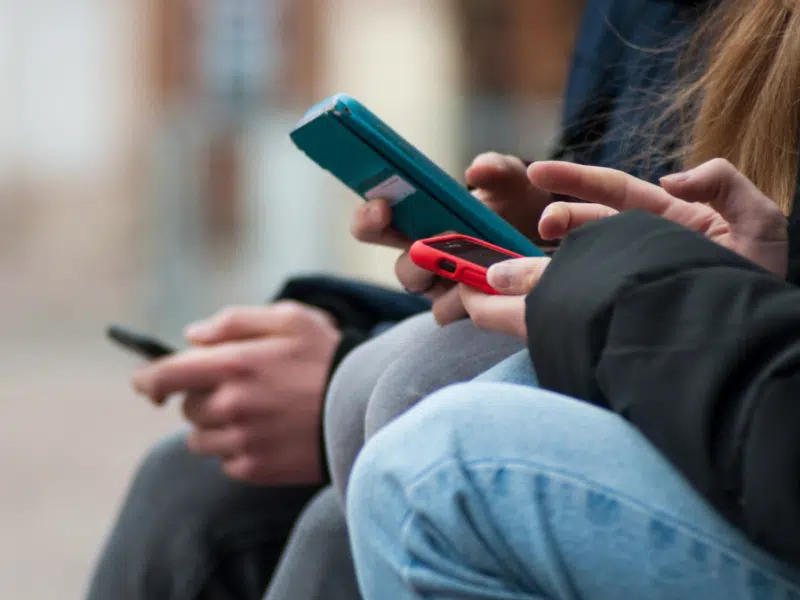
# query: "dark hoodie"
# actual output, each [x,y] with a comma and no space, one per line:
[695,346]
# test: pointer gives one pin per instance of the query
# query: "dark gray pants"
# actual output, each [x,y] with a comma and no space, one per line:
[187,532]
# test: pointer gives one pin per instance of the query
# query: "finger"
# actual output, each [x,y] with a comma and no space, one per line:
[141,389]
[560,218]
[448,307]
[504,314]
[247,468]
[600,185]
[719,184]
[518,276]
[202,368]
[502,184]
[224,442]
[372,222]
[498,173]
[195,410]
[248,322]
[413,278]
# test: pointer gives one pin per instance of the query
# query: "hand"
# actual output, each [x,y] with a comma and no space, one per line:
[504,313]
[501,183]
[736,214]
[254,388]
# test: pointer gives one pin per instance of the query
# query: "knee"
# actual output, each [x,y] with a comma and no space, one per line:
[381,493]
[164,459]
[403,385]
[458,422]
[456,353]
[410,444]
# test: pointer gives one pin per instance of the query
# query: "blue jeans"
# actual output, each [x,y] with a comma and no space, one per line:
[494,490]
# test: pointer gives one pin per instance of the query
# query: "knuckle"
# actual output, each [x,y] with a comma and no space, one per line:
[193,441]
[513,165]
[229,319]
[242,468]
[189,408]
[723,166]
[491,155]
[231,407]
[294,313]
[236,362]
[241,443]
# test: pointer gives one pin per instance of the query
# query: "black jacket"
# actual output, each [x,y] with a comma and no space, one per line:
[696,347]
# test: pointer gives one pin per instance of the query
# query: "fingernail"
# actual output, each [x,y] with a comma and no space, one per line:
[373,213]
[501,276]
[677,177]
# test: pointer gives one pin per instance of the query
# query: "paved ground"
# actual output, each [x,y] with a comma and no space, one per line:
[70,434]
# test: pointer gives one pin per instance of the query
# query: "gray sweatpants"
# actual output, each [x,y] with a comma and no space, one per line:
[187,532]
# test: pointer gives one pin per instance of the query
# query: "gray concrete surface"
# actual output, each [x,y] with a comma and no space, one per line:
[71,431]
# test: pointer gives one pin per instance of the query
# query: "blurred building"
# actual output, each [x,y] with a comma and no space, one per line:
[144,158]
[146,177]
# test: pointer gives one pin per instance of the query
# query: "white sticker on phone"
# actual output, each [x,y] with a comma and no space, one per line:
[395,189]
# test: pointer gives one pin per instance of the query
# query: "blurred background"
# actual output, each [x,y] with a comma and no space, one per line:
[146,177]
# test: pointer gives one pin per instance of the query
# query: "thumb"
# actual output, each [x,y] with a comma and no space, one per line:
[720,185]
[518,276]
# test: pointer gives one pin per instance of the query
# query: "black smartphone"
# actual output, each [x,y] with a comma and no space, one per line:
[145,346]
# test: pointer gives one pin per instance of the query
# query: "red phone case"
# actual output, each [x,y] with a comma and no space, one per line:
[466,272]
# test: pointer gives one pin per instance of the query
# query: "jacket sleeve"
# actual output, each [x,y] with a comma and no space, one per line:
[695,346]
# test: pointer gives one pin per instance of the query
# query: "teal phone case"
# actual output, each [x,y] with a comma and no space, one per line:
[355,146]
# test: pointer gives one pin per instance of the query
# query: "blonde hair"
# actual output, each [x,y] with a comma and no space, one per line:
[745,104]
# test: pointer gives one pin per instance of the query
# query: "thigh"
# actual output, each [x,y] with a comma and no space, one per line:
[185,527]
[434,359]
[452,354]
[354,382]
[503,491]
[317,563]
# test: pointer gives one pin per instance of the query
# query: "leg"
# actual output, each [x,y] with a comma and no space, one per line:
[317,563]
[516,369]
[453,354]
[425,358]
[501,491]
[353,383]
[187,531]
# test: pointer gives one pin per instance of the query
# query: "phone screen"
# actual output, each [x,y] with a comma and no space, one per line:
[472,252]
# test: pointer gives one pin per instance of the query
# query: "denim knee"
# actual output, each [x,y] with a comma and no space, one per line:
[409,444]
